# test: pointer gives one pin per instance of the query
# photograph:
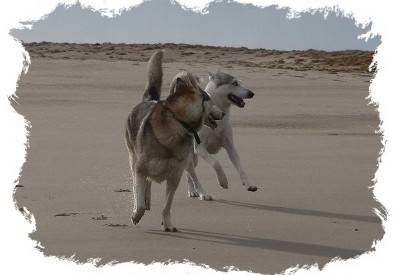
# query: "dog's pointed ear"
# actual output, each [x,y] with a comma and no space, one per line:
[212,76]
[189,84]
[199,79]
[178,88]
[183,86]
[180,84]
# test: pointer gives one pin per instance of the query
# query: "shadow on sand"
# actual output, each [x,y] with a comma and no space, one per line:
[304,212]
[271,244]
[263,243]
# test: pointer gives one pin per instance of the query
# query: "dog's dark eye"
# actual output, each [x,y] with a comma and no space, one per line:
[235,83]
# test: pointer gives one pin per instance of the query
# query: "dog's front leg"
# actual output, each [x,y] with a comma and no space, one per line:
[171,187]
[140,188]
[202,152]
[148,194]
[235,159]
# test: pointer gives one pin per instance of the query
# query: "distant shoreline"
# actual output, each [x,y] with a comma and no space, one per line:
[299,60]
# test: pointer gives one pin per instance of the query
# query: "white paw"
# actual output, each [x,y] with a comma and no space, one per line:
[205,197]
[192,194]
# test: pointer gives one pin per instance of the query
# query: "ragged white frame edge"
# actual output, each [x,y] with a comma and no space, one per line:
[18,251]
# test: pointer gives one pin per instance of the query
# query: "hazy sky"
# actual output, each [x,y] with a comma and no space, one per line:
[224,24]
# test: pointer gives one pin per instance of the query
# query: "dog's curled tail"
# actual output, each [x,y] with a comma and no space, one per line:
[155,77]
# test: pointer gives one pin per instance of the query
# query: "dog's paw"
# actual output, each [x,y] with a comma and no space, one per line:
[222,179]
[170,229]
[136,216]
[224,183]
[205,197]
[252,188]
[192,194]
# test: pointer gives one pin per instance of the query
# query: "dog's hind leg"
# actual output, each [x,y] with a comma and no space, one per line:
[194,187]
[139,189]
[171,187]
[191,190]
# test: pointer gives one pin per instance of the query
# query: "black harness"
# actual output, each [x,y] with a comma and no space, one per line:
[186,125]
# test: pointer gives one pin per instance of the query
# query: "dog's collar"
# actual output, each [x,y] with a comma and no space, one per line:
[187,126]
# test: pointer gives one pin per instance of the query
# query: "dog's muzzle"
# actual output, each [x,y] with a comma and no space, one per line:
[239,101]
[213,116]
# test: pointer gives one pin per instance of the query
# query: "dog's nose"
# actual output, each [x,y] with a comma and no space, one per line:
[250,94]
[223,114]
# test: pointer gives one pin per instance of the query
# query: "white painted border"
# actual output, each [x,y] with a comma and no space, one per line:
[18,253]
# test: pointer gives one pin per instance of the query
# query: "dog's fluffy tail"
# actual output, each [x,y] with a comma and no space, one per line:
[155,77]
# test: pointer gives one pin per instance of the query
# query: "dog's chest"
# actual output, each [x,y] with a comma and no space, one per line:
[160,169]
[214,141]
[169,164]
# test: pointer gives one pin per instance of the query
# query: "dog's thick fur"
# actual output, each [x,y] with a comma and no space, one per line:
[159,136]
[225,91]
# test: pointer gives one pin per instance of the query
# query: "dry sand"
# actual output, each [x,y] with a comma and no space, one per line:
[307,139]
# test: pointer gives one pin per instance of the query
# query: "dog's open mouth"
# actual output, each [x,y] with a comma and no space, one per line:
[238,101]
[212,121]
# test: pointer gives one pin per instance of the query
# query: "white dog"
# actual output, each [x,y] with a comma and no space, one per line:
[224,91]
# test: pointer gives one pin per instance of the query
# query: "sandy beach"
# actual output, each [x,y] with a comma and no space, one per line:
[307,140]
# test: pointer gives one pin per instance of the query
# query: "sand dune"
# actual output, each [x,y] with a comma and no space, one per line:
[339,61]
